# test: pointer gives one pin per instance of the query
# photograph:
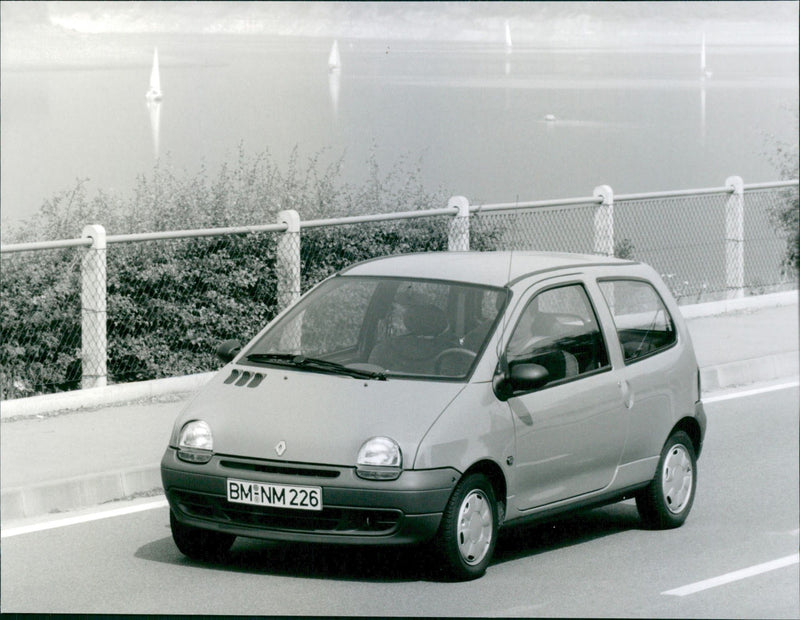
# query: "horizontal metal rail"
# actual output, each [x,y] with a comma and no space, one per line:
[674,194]
[45,245]
[383,217]
[203,232]
[403,215]
[772,185]
[536,204]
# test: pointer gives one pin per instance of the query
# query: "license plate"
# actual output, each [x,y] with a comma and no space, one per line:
[274,495]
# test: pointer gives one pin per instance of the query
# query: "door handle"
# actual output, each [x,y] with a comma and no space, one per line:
[627,393]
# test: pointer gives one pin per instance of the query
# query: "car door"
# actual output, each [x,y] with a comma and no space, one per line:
[571,432]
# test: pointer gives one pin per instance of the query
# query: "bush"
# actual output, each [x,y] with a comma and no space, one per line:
[785,156]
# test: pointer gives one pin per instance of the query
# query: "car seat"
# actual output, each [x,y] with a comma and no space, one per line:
[414,352]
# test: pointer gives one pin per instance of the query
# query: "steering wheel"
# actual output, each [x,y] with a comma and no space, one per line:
[454,354]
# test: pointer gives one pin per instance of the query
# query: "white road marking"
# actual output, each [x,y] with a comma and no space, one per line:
[742,394]
[85,518]
[744,573]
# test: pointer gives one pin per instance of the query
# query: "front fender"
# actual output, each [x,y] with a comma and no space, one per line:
[476,426]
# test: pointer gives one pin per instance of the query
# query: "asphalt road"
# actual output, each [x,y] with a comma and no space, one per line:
[599,563]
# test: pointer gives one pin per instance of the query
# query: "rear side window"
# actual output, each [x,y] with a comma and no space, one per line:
[644,325]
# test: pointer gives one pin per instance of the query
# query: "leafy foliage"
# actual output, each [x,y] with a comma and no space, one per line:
[785,216]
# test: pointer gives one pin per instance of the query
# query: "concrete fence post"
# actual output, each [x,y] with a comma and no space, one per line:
[604,221]
[734,238]
[458,235]
[93,309]
[287,261]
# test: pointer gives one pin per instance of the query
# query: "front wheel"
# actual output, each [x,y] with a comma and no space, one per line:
[468,533]
[666,501]
[199,544]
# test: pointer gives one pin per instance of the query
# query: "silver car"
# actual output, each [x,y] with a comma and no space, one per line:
[440,397]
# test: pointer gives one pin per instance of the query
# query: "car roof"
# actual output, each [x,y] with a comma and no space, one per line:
[489,268]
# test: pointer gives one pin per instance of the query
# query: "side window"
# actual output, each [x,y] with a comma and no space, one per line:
[558,330]
[644,325]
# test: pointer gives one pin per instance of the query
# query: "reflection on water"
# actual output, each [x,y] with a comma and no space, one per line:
[334,79]
[703,113]
[154,108]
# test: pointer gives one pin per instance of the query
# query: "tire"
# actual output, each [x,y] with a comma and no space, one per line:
[467,534]
[666,501]
[198,544]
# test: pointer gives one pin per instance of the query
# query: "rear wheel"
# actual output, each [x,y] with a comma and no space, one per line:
[468,533]
[199,544]
[667,500]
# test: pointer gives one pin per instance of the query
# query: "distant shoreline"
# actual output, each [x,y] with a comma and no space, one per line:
[42,47]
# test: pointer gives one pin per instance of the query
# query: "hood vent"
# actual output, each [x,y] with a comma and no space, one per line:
[245,377]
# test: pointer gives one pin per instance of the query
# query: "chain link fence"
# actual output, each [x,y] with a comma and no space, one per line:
[552,229]
[153,306]
[671,235]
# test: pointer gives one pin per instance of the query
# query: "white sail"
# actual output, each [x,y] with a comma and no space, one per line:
[703,54]
[334,61]
[704,70]
[508,36]
[154,92]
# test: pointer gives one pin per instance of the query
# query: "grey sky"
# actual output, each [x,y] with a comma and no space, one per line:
[533,23]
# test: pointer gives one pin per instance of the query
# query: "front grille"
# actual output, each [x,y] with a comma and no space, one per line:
[329,520]
[281,469]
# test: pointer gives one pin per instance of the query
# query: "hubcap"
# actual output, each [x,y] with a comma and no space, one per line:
[474,527]
[677,477]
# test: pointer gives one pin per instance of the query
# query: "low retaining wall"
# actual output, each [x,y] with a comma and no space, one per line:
[722,376]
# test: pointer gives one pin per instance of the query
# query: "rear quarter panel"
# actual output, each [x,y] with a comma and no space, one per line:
[664,384]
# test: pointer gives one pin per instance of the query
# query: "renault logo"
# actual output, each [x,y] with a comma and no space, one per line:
[280,448]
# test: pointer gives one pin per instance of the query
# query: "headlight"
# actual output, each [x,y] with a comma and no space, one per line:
[379,459]
[195,443]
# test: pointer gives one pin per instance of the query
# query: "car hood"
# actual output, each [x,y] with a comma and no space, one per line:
[320,418]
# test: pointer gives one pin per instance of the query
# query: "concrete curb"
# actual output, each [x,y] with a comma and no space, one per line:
[80,492]
[713,308]
[102,396]
[745,372]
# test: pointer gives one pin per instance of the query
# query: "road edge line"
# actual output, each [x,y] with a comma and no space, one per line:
[86,518]
[737,575]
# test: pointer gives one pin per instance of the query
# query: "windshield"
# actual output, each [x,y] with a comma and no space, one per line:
[377,327]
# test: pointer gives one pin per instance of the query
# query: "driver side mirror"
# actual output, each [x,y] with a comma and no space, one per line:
[227,350]
[520,377]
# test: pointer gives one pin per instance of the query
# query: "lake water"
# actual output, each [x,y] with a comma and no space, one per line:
[474,115]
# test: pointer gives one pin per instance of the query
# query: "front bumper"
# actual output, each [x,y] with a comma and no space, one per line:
[355,511]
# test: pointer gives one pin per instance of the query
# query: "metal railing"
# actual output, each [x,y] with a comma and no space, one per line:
[78,314]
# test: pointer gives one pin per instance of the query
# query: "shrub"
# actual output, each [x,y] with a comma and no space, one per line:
[785,215]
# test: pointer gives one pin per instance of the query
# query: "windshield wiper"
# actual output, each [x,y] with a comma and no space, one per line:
[301,361]
[272,358]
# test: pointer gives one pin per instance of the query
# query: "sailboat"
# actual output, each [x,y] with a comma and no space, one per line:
[508,37]
[704,70]
[154,92]
[334,61]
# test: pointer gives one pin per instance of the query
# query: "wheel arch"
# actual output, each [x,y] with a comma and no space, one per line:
[494,473]
[691,427]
